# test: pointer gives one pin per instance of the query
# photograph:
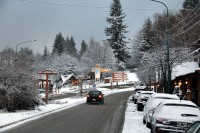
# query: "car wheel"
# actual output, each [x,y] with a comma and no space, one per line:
[132,99]
[144,122]
[148,124]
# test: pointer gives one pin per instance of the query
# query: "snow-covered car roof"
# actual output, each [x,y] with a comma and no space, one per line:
[183,102]
[165,95]
[140,87]
[146,92]
[179,109]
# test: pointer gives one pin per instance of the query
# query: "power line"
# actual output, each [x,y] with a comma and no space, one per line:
[84,6]
[177,5]
[187,29]
[188,23]
[186,17]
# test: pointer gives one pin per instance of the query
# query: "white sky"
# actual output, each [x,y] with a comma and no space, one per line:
[22,21]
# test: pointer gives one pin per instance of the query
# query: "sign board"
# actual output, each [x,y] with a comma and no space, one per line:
[97,73]
[119,76]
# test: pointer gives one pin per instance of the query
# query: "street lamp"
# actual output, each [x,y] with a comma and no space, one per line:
[23,43]
[167,45]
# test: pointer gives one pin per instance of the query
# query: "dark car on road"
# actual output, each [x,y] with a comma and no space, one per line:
[95,97]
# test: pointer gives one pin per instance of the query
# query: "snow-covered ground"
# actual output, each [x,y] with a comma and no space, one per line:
[133,118]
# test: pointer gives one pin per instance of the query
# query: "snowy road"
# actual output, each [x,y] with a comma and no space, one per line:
[107,118]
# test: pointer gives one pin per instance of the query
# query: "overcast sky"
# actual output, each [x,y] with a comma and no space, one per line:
[24,20]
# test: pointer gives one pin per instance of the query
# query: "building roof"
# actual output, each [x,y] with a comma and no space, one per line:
[65,78]
[184,68]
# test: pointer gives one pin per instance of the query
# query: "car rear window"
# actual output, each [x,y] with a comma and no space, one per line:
[181,110]
[165,98]
[95,92]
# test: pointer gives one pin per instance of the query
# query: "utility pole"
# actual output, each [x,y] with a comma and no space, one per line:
[168,47]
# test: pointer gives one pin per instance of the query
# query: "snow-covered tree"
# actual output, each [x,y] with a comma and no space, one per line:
[190,4]
[17,83]
[58,46]
[154,63]
[116,33]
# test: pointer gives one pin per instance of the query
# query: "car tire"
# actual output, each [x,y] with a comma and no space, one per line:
[148,125]
[144,122]
[133,99]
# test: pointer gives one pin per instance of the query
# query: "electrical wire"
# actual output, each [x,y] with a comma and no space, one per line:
[187,29]
[83,6]
[187,23]
[186,16]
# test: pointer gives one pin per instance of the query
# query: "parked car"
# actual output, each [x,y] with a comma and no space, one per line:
[174,116]
[194,128]
[135,96]
[95,97]
[136,92]
[152,103]
[42,94]
[142,99]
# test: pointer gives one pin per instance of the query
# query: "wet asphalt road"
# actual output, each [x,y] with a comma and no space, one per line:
[107,118]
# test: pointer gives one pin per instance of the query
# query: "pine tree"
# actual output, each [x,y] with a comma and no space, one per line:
[116,32]
[72,47]
[190,4]
[46,53]
[58,44]
[147,36]
[83,47]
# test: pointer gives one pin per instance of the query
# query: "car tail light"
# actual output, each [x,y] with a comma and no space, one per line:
[100,96]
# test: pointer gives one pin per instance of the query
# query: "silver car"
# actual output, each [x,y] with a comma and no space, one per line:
[152,103]
[174,116]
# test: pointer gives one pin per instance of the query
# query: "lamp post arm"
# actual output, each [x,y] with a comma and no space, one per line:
[168,46]
[23,42]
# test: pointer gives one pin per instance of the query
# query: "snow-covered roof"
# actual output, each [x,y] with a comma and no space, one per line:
[65,78]
[196,51]
[183,69]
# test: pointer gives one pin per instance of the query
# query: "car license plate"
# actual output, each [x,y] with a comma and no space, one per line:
[181,124]
[93,99]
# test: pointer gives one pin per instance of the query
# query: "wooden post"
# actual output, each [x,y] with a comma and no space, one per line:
[47,87]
